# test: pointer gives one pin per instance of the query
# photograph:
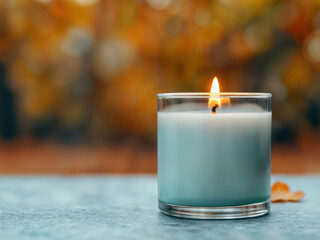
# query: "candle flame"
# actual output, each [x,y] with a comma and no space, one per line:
[218,102]
[214,89]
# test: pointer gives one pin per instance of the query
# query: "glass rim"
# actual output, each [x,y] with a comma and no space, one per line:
[219,95]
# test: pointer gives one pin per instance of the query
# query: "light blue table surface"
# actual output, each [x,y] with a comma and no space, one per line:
[122,207]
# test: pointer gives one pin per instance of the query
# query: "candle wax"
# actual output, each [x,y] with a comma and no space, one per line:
[213,160]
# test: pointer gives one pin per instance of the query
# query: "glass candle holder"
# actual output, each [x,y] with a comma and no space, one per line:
[214,153]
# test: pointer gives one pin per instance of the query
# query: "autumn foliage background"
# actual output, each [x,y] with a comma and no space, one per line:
[83,74]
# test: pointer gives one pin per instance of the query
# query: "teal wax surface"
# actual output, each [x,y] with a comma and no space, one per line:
[212,160]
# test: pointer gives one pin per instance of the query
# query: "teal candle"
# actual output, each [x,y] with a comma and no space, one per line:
[214,152]
[214,160]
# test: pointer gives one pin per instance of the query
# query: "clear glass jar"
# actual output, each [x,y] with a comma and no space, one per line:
[214,153]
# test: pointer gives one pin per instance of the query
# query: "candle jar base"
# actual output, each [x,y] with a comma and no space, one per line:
[228,212]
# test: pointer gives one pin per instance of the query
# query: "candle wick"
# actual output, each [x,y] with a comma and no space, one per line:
[214,108]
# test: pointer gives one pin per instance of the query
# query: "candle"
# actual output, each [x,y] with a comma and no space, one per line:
[214,154]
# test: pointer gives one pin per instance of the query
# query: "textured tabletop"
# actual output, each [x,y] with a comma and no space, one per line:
[119,207]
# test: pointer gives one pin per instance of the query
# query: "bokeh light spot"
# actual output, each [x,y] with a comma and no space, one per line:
[313,48]
[86,2]
[113,57]
[158,4]
[77,42]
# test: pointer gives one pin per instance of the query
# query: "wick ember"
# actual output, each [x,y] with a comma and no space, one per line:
[214,108]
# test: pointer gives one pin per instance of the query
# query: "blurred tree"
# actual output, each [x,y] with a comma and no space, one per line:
[8,126]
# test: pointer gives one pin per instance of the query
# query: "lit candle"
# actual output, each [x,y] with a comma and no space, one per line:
[214,154]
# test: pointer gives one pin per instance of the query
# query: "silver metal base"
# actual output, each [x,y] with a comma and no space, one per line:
[229,212]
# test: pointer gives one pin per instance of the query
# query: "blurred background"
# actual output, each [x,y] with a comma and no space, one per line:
[79,78]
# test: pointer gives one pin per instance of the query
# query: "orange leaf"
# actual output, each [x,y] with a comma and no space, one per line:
[280,196]
[296,196]
[280,186]
[280,192]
